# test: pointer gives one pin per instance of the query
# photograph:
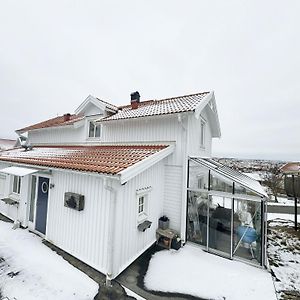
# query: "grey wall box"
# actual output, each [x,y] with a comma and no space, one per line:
[74,201]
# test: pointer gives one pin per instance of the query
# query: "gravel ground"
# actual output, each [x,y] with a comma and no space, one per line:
[284,258]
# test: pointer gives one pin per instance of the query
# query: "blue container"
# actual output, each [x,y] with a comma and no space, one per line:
[248,233]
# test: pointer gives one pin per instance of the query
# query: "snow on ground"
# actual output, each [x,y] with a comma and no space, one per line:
[290,217]
[282,201]
[195,272]
[132,294]
[284,258]
[30,270]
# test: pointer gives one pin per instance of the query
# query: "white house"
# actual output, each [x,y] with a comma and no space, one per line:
[95,183]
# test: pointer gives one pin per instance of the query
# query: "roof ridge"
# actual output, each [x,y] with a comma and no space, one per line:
[30,127]
[165,99]
[106,102]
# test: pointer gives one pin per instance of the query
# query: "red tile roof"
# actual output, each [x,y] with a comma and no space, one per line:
[100,159]
[57,121]
[293,167]
[159,107]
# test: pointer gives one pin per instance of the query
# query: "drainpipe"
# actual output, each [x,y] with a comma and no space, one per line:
[184,179]
[111,230]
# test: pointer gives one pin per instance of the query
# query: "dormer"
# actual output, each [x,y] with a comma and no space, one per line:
[94,109]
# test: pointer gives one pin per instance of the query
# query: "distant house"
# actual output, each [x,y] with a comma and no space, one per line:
[7,144]
[96,182]
[291,171]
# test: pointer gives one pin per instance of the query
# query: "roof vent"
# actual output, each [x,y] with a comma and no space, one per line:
[67,117]
[135,99]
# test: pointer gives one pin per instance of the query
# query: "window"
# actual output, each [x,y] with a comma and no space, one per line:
[141,205]
[32,198]
[94,130]
[16,184]
[202,137]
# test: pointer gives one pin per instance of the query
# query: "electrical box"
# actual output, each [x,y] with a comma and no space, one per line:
[74,201]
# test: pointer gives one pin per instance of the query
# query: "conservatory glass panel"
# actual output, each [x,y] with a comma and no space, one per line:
[247,230]
[197,217]
[220,183]
[198,176]
[220,224]
[239,189]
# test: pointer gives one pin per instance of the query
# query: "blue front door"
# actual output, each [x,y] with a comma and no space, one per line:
[42,205]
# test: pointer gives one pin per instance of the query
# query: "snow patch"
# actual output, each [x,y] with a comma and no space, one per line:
[195,272]
[30,270]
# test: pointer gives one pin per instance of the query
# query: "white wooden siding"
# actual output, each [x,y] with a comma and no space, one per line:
[194,136]
[10,211]
[2,185]
[58,135]
[84,233]
[152,129]
[173,195]
[129,242]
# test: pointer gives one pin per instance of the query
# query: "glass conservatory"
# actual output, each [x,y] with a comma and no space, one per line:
[225,211]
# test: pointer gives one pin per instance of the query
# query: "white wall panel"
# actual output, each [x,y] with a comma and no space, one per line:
[64,135]
[173,195]
[81,233]
[10,211]
[129,242]
[153,129]
[194,136]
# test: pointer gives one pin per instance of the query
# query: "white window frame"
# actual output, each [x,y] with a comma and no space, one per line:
[145,195]
[202,133]
[2,184]
[95,124]
[18,191]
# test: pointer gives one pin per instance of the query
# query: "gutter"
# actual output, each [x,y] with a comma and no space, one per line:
[111,231]
[184,178]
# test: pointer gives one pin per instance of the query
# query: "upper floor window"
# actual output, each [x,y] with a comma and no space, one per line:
[94,130]
[16,184]
[202,134]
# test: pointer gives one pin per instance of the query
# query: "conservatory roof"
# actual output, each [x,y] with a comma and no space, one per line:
[232,174]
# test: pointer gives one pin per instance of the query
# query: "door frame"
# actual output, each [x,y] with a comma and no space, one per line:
[33,224]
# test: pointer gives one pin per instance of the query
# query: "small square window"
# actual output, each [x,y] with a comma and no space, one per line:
[16,185]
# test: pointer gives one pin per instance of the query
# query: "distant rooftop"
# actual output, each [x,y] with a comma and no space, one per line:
[290,168]
[7,144]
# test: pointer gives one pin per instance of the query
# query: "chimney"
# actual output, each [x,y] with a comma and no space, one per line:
[135,100]
[67,117]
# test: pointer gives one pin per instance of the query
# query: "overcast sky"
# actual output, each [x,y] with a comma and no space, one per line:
[53,54]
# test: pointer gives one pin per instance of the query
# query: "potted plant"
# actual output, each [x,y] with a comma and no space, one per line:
[163,222]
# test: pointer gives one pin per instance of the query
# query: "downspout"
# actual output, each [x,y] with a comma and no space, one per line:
[184,179]
[111,230]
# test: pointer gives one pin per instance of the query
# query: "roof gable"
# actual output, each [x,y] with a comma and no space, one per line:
[97,103]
